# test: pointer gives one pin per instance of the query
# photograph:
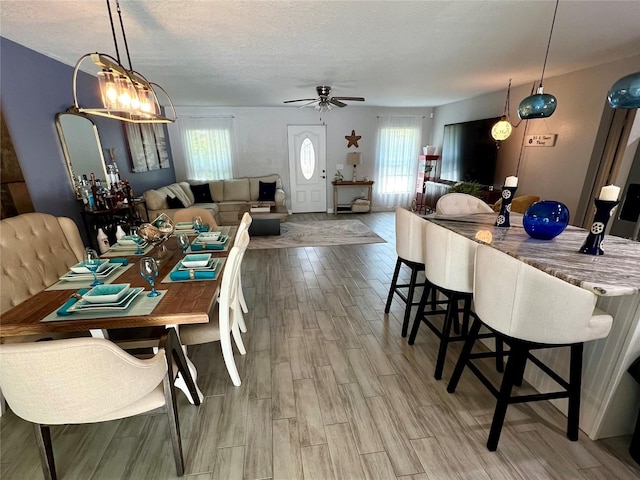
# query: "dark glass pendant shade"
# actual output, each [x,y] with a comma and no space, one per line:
[625,93]
[540,105]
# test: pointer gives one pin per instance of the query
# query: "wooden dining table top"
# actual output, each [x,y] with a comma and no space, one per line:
[183,303]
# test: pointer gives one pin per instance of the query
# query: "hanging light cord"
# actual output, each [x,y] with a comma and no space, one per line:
[113,31]
[126,46]
[553,22]
[506,102]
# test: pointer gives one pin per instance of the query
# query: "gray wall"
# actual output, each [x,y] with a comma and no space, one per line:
[555,173]
[34,89]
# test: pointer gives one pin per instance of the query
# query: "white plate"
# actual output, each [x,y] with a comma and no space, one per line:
[72,276]
[133,246]
[211,265]
[196,260]
[106,293]
[80,268]
[84,306]
[209,236]
[222,239]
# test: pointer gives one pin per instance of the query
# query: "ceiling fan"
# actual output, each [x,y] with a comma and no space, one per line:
[324,102]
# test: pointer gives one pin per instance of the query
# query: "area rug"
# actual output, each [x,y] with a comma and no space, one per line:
[317,234]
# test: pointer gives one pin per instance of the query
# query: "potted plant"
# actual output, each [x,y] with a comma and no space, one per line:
[470,188]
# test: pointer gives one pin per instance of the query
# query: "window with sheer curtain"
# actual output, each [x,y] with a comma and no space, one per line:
[395,172]
[208,147]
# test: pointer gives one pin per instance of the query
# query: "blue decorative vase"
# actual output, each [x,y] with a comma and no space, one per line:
[546,220]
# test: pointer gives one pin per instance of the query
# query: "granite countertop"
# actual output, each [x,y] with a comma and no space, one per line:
[615,273]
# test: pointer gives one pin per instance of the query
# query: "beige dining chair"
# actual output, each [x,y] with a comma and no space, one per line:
[89,380]
[187,214]
[460,204]
[530,310]
[245,223]
[224,321]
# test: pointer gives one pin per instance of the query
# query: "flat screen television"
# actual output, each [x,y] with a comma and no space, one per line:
[469,153]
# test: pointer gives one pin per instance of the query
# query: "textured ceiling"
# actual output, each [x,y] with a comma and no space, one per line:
[394,53]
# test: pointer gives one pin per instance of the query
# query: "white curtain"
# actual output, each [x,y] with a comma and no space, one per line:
[208,147]
[395,172]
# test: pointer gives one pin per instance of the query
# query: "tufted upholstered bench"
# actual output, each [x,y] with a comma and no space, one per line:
[35,250]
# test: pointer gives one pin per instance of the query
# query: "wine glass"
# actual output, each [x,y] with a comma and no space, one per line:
[133,231]
[92,262]
[197,223]
[149,271]
[183,242]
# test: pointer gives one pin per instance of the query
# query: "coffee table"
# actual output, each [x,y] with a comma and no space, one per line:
[265,223]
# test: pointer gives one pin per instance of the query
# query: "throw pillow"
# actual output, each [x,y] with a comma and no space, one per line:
[201,193]
[267,192]
[174,202]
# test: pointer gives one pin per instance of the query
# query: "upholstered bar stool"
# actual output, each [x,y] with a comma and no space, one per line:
[410,250]
[461,204]
[449,265]
[530,310]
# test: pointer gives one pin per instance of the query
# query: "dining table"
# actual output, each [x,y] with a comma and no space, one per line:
[610,397]
[181,303]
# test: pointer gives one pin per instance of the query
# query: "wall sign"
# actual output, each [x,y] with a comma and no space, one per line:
[548,140]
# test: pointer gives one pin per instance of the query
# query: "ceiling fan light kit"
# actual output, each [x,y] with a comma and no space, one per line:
[126,94]
[540,105]
[325,102]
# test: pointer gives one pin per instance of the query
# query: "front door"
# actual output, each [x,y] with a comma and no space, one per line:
[307,168]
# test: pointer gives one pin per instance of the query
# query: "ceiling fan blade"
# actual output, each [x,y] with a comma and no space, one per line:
[352,99]
[310,103]
[337,103]
[301,100]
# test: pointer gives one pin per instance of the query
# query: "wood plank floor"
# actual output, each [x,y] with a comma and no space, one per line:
[330,391]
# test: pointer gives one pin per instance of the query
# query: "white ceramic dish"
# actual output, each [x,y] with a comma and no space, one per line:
[221,240]
[108,270]
[80,268]
[106,293]
[209,236]
[125,301]
[211,265]
[196,260]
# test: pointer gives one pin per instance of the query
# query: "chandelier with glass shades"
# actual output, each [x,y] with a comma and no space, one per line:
[126,94]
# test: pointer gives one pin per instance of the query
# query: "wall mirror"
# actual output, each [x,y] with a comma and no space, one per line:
[81,147]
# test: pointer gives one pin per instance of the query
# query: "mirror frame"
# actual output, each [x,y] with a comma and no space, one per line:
[65,149]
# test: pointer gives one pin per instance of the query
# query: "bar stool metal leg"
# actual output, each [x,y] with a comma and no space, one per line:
[407,310]
[394,282]
[464,355]
[575,383]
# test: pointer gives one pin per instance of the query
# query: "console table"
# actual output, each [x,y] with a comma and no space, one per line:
[346,207]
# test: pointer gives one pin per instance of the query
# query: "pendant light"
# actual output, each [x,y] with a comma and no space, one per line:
[503,128]
[126,94]
[625,93]
[540,105]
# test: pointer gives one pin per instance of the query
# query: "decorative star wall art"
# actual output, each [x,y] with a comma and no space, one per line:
[353,139]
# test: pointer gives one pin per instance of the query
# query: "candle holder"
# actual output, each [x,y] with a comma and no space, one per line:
[505,207]
[592,245]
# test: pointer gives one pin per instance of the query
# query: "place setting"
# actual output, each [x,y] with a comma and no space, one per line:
[92,271]
[201,266]
[192,228]
[217,240]
[132,244]
[112,300]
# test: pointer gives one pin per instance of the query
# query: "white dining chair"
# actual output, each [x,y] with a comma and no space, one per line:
[89,380]
[530,310]
[245,223]
[461,204]
[224,322]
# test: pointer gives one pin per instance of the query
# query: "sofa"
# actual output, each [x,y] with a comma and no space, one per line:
[223,198]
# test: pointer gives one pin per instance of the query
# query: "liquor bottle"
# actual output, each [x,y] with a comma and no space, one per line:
[94,190]
[103,241]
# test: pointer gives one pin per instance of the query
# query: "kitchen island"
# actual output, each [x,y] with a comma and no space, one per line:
[610,397]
